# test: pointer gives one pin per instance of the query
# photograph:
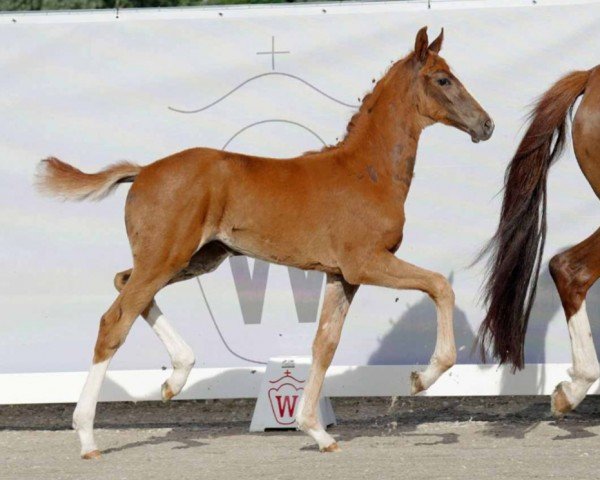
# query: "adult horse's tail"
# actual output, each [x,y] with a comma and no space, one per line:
[57,178]
[516,248]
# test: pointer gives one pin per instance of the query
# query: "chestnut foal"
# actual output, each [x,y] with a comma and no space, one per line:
[517,247]
[339,210]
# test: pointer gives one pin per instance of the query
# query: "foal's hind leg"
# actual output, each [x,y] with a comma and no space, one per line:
[338,295]
[181,354]
[114,327]
[385,270]
[207,259]
[574,272]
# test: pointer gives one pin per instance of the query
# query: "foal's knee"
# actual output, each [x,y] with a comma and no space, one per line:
[441,290]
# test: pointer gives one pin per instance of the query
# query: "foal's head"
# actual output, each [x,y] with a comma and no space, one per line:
[440,96]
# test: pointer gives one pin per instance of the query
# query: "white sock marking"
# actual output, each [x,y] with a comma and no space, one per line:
[83,417]
[318,434]
[586,369]
[182,356]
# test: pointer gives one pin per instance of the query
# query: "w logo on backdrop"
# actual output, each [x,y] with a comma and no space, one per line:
[251,289]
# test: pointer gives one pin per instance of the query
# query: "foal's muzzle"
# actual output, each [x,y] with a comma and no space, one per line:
[483,131]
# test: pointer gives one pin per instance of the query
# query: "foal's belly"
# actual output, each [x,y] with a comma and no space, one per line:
[280,248]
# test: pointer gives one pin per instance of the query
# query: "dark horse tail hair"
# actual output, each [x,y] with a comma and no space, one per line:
[516,249]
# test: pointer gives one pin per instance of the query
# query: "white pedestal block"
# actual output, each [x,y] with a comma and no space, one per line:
[280,393]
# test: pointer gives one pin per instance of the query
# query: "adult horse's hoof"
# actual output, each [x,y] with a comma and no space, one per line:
[333,448]
[559,401]
[93,455]
[166,392]
[416,385]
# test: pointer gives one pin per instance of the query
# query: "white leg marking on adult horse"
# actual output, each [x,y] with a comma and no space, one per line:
[83,417]
[585,370]
[182,356]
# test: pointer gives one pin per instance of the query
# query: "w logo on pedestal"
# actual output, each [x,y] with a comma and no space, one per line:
[286,405]
[284,398]
[280,395]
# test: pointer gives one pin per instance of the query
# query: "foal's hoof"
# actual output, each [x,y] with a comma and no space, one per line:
[416,385]
[333,448]
[93,455]
[166,392]
[559,401]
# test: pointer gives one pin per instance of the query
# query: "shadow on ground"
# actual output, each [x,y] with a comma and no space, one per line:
[192,424]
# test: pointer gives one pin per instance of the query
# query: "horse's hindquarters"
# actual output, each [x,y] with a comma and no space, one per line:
[586,132]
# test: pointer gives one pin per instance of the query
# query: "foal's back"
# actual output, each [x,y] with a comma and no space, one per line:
[304,211]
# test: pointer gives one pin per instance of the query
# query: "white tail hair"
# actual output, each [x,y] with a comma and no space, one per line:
[59,179]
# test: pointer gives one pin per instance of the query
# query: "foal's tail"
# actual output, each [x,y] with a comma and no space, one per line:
[56,178]
[516,249]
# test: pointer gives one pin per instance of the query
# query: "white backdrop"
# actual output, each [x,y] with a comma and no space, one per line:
[91,88]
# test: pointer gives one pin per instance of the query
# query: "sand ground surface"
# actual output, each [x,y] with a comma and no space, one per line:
[421,438]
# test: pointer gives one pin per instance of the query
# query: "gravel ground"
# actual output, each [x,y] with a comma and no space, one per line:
[424,438]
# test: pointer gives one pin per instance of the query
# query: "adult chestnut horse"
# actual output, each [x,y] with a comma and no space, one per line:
[516,248]
[339,210]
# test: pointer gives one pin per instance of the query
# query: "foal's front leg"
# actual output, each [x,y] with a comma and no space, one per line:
[338,296]
[385,270]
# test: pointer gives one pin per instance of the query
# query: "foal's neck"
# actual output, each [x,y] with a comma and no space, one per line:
[385,132]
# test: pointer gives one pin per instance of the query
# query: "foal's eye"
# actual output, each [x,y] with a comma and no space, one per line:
[443,82]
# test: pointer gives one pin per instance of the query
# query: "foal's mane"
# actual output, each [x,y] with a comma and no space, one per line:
[368,103]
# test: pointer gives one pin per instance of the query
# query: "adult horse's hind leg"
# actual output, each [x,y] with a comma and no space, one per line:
[207,259]
[385,270]
[574,272]
[338,296]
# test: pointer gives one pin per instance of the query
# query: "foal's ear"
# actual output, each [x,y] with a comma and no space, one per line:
[436,45]
[421,45]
